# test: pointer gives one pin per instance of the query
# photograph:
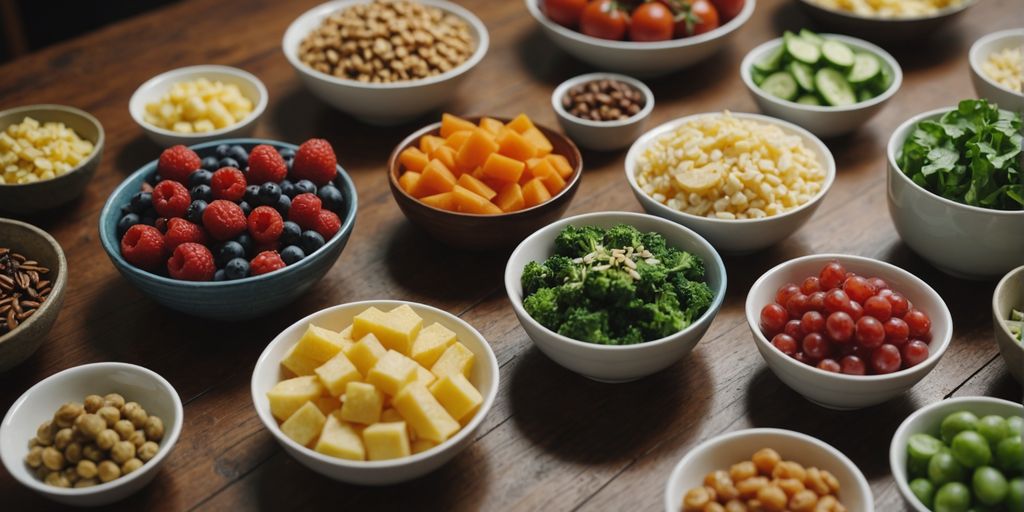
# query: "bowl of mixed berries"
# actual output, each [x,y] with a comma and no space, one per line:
[230,229]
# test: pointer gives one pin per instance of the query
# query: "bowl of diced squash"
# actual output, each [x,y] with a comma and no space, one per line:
[375,392]
[484,183]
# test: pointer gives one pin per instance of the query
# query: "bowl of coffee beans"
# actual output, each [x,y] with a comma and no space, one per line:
[603,111]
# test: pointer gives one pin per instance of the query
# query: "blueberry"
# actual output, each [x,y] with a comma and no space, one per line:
[305,187]
[125,209]
[200,177]
[150,212]
[331,197]
[310,241]
[126,222]
[240,154]
[237,268]
[287,188]
[288,163]
[194,214]
[269,194]
[246,209]
[210,163]
[147,220]
[292,254]
[284,204]
[153,179]
[246,242]
[222,151]
[141,202]
[286,153]
[228,251]
[228,162]
[291,233]
[252,193]
[203,192]
[219,275]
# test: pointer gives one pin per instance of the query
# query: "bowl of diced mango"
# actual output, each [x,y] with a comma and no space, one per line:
[375,392]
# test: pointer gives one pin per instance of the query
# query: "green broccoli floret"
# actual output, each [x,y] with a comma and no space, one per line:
[581,324]
[661,317]
[563,270]
[578,241]
[613,287]
[631,336]
[571,296]
[535,277]
[683,262]
[696,297]
[542,305]
[622,236]
[655,243]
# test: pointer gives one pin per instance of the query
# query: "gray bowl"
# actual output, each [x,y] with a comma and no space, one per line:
[1009,294]
[882,30]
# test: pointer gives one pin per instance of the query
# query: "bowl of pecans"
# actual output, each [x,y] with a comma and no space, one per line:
[603,111]
[33,273]
[385,62]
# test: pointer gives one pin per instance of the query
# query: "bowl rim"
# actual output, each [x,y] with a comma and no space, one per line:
[393,166]
[858,44]
[325,9]
[1004,282]
[639,117]
[714,442]
[974,56]
[109,208]
[921,287]
[97,146]
[135,105]
[895,145]
[271,424]
[653,134]
[685,42]
[894,450]
[58,284]
[171,434]
[941,13]
[514,275]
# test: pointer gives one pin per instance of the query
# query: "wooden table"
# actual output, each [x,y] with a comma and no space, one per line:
[554,440]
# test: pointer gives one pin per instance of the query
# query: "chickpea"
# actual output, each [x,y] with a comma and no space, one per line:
[815,482]
[57,480]
[86,482]
[138,438]
[53,459]
[92,453]
[696,499]
[765,459]
[722,483]
[831,481]
[124,428]
[114,400]
[742,471]
[71,474]
[154,428]
[772,498]
[62,438]
[748,488]
[137,417]
[73,452]
[130,465]
[129,407]
[826,504]
[34,459]
[106,439]
[147,451]
[803,501]
[42,472]
[32,443]
[90,425]
[789,469]
[790,486]
[122,451]
[45,433]
[109,414]
[714,506]
[93,403]
[65,416]
[735,505]
[86,469]
[754,505]
[108,470]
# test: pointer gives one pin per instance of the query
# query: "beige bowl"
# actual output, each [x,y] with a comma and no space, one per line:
[1009,294]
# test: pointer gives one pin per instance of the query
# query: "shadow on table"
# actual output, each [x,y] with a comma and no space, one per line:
[136,153]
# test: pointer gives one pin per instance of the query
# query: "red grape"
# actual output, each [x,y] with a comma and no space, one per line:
[829,365]
[870,333]
[785,343]
[839,327]
[773,319]
[900,304]
[797,304]
[852,365]
[896,331]
[800,356]
[855,310]
[816,301]
[793,329]
[884,293]
[878,307]
[836,300]
[812,321]
[879,283]
[815,346]
[885,359]
[785,292]
[831,276]
[914,353]
[858,288]
[918,322]
[810,285]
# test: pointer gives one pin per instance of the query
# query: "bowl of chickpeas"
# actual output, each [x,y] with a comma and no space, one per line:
[91,435]
[766,469]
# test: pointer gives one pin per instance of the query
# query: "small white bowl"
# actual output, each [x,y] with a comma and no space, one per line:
[884,30]
[151,91]
[645,59]
[615,363]
[1009,294]
[602,135]
[823,121]
[41,401]
[722,451]
[388,103]
[985,86]
[961,240]
[927,420]
[836,390]
[381,472]
[739,236]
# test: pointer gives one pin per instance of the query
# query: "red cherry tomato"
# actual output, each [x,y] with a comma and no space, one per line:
[602,19]
[794,329]
[886,359]
[914,353]
[728,9]
[565,12]
[784,292]
[810,285]
[701,17]
[815,346]
[918,322]
[839,326]
[651,21]
[832,276]
[773,319]
[785,343]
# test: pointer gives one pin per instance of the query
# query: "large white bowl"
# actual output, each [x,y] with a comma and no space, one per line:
[927,420]
[724,450]
[644,59]
[906,29]
[602,135]
[837,390]
[150,91]
[742,235]
[1009,294]
[615,363]
[382,472]
[823,121]
[985,86]
[387,103]
[962,240]
[41,401]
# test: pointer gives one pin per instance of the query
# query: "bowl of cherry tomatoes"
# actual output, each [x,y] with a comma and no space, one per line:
[640,37]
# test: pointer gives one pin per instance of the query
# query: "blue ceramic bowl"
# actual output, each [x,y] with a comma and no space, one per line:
[226,300]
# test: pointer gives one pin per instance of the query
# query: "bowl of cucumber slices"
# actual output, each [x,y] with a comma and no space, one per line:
[829,84]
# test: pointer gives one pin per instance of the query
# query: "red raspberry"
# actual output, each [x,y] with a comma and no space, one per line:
[228,183]
[327,224]
[265,224]
[224,220]
[265,262]
[305,210]
[191,262]
[177,163]
[266,164]
[143,246]
[315,161]
[171,199]
[180,231]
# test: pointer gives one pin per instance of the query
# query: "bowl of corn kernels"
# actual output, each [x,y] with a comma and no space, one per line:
[997,68]
[198,104]
[48,154]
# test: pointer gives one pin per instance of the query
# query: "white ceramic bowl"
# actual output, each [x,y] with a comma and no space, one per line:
[962,240]
[823,121]
[836,390]
[927,420]
[381,104]
[602,135]
[268,373]
[985,86]
[615,363]
[735,236]
[724,450]
[644,59]
[1009,294]
[41,401]
[151,91]
[905,29]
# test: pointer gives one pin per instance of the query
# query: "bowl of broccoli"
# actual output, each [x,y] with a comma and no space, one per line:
[615,296]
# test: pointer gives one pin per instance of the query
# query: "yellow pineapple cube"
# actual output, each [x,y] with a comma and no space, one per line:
[386,441]
[346,337]
[288,395]
[457,395]
[392,372]
[305,424]
[422,445]
[395,329]
[362,323]
[336,373]
[339,439]
[299,364]
[431,343]
[390,415]
[318,344]
[455,359]
[365,353]
[423,376]
[426,415]
[363,403]
[327,404]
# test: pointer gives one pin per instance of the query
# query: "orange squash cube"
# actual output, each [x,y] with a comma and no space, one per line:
[503,168]
[553,182]
[475,150]
[534,193]
[451,124]
[413,159]
[476,186]
[430,143]
[514,145]
[510,198]
[442,201]
[456,139]
[561,164]
[446,155]
[470,202]
[436,178]
[539,141]
[491,125]
[408,181]
[521,123]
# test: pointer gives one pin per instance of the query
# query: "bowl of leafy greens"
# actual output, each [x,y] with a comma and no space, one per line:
[956,188]
[615,296]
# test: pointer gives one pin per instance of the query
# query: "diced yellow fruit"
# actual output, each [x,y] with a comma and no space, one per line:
[298,364]
[339,439]
[288,395]
[423,376]
[362,322]
[346,337]
[365,353]
[327,404]
[457,395]
[390,415]
[386,441]
[395,329]
[422,445]
[305,424]
[455,359]
[426,415]
[319,344]
[431,343]
[392,372]
[337,372]
[363,403]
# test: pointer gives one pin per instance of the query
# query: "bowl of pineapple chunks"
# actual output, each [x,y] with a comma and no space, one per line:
[375,392]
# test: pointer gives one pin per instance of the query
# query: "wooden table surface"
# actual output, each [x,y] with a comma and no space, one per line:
[554,440]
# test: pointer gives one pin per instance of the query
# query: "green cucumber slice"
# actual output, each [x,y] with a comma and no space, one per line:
[800,49]
[834,88]
[780,84]
[884,80]
[865,67]
[837,54]
[809,99]
[812,37]
[772,61]
[803,74]
[864,95]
